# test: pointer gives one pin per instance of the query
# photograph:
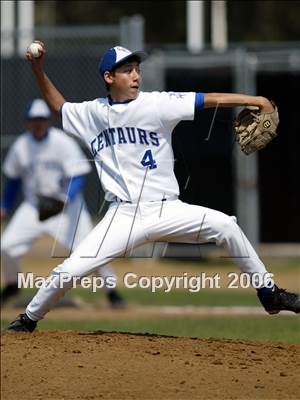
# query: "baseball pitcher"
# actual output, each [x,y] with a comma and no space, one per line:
[129,136]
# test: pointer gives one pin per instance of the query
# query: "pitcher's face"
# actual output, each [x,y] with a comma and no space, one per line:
[124,81]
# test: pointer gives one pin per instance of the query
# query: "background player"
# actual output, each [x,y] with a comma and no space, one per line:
[44,160]
[129,136]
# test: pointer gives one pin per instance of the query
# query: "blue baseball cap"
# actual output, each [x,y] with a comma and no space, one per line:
[116,56]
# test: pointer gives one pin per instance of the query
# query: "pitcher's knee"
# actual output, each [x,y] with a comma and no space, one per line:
[61,280]
[68,272]
[226,227]
[226,223]
[62,272]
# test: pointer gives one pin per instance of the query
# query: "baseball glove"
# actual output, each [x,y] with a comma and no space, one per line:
[254,129]
[48,207]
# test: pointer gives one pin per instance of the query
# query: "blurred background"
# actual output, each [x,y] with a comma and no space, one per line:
[251,47]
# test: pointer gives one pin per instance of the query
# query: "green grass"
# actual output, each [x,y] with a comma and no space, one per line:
[279,328]
[205,297]
[264,328]
[274,264]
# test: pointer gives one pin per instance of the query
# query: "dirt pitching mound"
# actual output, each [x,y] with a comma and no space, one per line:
[98,365]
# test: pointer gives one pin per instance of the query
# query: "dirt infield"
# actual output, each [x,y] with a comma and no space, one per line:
[79,365]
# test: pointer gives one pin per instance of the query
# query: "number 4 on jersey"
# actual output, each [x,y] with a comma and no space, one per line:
[148,160]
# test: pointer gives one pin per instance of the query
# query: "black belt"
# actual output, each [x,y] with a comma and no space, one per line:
[118,200]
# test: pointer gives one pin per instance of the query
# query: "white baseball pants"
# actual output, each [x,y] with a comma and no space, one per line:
[126,226]
[68,228]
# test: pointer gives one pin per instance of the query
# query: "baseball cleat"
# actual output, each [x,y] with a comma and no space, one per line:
[275,300]
[115,299]
[22,324]
[8,292]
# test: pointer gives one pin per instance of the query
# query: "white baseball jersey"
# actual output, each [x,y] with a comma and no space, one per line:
[45,166]
[131,142]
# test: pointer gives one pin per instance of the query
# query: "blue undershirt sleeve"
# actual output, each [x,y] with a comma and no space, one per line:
[199,101]
[11,189]
[76,184]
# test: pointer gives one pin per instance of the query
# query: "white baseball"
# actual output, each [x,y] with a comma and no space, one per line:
[34,49]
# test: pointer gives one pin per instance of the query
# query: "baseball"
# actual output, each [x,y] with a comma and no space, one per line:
[35,49]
